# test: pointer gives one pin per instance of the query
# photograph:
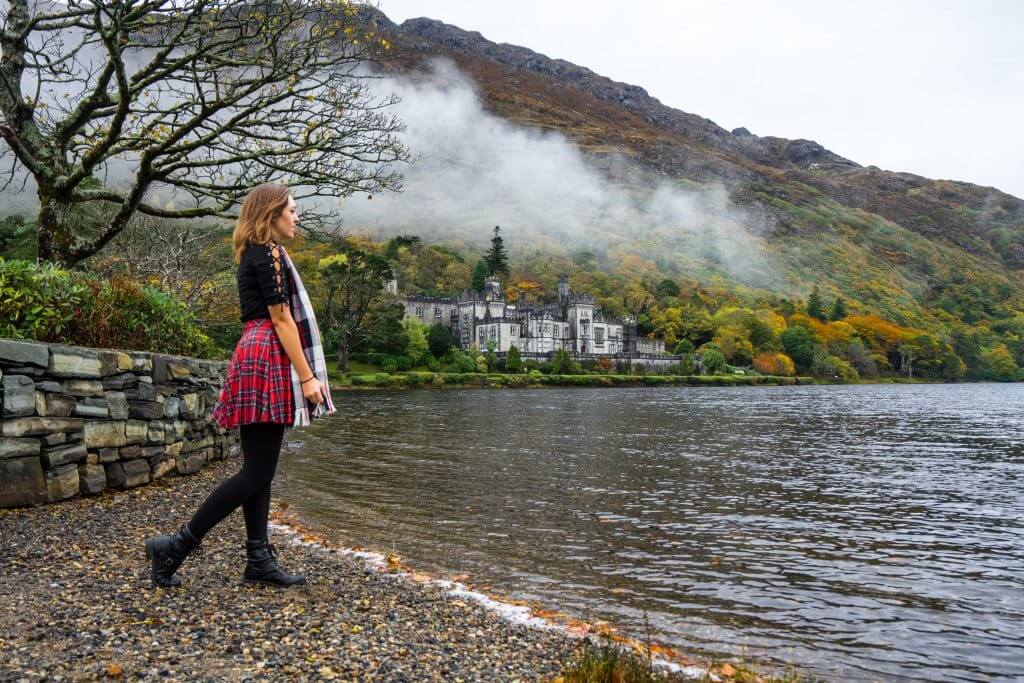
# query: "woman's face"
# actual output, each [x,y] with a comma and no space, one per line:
[285,225]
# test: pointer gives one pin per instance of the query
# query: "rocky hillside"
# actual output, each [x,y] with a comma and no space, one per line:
[604,116]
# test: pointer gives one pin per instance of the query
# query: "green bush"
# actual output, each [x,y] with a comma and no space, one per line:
[712,361]
[459,362]
[38,301]
[45,303]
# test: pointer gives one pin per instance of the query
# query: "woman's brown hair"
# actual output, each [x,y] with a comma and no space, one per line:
[260,209]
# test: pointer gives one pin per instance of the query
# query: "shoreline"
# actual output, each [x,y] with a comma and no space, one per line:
[432,380]
[441,381]
[528,613]
[77,582]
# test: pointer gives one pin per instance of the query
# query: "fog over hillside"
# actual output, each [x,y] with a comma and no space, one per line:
[474,171]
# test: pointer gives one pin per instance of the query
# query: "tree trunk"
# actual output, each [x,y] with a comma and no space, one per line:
[342,355]
[53,239]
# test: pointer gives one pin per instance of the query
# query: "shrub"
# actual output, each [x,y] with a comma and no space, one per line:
[459,362]
[513,361]
[38,301]
[712,361]
[45,303]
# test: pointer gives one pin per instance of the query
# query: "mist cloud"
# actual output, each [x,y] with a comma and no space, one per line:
[475,170]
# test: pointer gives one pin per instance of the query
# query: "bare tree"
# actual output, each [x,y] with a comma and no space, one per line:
[176,108]
[186,258]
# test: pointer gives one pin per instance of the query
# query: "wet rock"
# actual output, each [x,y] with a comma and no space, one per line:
[127,474]
[117,404]
[55,439]
[91,407]
[92,479]
[108,454]
[21,481]
[19,394]
[61,483]
[189,463]
[105,434]
[62,455]
[135,431]
[14,448]
[83,387]
[38,426]
[69,362]
[53,405]
[24,353]
[191,406]
[145,410]
[121,381]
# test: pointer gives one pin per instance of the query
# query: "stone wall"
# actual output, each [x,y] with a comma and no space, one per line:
[75,421]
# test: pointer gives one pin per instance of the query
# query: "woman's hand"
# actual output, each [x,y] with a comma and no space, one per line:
[313,391]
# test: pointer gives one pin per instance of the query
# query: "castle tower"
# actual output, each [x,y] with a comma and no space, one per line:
[563,288]
[492,289]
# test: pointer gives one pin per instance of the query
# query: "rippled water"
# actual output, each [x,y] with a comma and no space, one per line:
[860,532]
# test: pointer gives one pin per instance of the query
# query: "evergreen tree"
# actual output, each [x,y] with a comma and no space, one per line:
[815,307]
[838,309]
[513,361]
[479,275]
[497,259]
[440,339]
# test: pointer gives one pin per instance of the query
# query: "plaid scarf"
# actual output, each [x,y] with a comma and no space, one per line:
[309,334]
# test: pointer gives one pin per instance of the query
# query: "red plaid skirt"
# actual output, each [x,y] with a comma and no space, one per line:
[258,383]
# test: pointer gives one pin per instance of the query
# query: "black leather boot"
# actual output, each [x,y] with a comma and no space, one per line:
[166,553]
[261,565]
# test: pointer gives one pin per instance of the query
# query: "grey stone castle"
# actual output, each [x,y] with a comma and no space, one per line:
[572,322]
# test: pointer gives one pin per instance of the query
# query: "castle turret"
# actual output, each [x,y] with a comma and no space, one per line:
[563,288]
[492,289]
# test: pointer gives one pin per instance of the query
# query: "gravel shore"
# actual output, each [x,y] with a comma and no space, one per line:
[78,605]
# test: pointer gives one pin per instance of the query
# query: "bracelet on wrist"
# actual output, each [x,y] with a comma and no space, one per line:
[306,380]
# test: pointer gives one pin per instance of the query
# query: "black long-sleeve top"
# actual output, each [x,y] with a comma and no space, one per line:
[261,280]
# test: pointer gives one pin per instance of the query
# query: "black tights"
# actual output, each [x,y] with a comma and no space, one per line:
[250,488]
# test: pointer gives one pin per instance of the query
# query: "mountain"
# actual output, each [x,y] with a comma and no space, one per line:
[982,220]
[921,251]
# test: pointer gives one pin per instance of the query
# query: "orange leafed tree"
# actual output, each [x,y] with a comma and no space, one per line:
[770,363]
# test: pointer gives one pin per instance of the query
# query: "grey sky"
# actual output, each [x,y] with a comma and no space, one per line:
[934,88]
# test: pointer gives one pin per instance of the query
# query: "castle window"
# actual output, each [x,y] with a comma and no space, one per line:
[599,335]
[437,311]
[419,311]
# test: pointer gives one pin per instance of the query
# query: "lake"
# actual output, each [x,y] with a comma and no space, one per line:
[868,532]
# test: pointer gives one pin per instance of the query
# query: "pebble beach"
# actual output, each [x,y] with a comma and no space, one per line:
[78,605]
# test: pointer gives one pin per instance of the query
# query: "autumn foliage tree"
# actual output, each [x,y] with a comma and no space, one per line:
[177,109]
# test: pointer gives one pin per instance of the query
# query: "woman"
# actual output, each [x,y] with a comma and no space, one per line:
[269,370]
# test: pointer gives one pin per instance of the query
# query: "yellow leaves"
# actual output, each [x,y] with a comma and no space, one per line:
[394,562]
[333,260]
